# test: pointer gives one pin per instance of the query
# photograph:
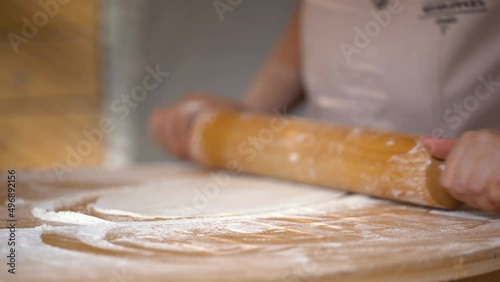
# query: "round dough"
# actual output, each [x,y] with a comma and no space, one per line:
[217,194]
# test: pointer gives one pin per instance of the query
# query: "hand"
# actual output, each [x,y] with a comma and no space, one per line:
[472,167]
[171,127]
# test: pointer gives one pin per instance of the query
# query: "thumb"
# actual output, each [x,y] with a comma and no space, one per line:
[439,147]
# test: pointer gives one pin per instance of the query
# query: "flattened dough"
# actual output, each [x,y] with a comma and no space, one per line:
[207,196]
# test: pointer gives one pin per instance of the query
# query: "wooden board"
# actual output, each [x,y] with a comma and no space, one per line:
[341,237]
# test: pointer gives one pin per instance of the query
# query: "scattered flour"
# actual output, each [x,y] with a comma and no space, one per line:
[293,157]
[19,201]
[65,217]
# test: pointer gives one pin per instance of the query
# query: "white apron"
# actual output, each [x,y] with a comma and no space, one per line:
[420,66]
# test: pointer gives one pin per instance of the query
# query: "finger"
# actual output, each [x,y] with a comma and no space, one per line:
[483,202]
[472,157]
[485,199]
[165,138]
[186,115]
[166,133]
[158,126]
[453,165]
[439,147]
[483,172]
[494,187]
[478,201]
[180,135]
[176,136]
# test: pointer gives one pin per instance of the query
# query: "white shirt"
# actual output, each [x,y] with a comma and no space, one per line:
[418,66]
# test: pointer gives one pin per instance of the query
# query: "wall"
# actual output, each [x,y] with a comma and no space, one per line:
[49,82]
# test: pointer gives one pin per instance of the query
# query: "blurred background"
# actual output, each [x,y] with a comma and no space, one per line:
[72,72]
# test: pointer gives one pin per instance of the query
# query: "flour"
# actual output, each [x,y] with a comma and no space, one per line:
[19,202]
[293,157]
[65,217]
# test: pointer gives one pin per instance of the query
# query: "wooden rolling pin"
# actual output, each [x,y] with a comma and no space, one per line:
[382,164]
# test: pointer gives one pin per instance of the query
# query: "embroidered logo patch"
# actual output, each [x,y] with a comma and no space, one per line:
[446,12]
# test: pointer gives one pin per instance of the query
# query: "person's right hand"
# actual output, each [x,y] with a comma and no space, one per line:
[172,126]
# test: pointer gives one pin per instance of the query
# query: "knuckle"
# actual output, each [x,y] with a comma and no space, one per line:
[469,135]
[487,131]
[476,138]
[482,137]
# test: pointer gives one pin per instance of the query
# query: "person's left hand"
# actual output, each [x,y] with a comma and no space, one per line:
[472,167]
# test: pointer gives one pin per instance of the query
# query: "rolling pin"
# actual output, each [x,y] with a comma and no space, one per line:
[382,164]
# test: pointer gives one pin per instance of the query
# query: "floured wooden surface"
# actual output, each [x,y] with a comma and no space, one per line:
[162,223]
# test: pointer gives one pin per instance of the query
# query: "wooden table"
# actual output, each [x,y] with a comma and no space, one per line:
[337,237]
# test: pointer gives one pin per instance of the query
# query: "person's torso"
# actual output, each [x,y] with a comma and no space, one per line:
[418,66]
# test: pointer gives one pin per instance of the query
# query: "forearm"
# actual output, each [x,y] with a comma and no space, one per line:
[278,83]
